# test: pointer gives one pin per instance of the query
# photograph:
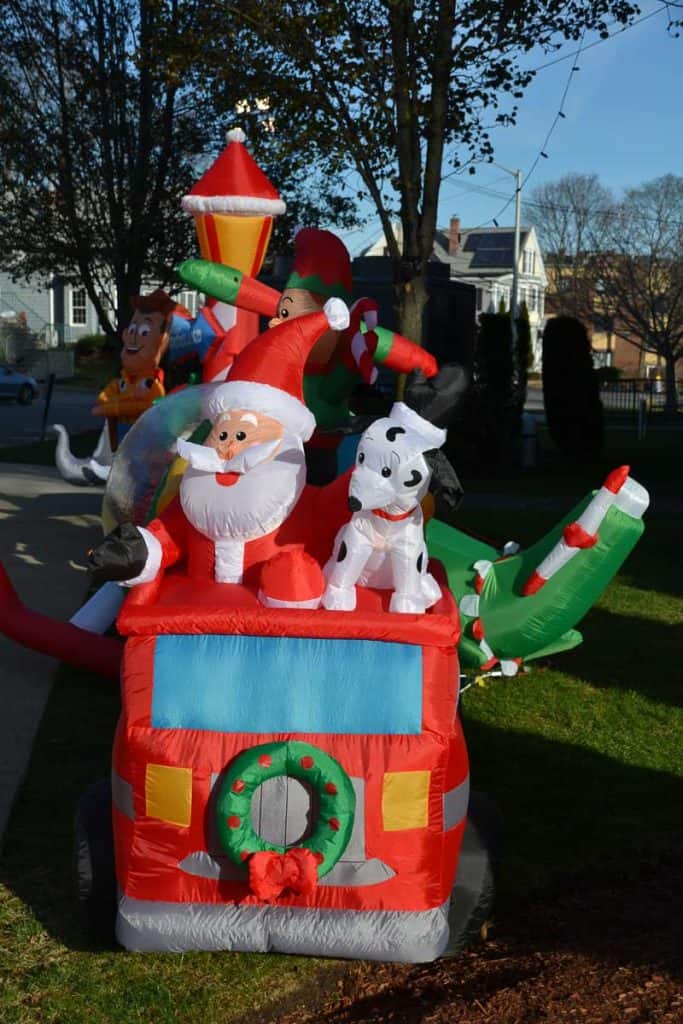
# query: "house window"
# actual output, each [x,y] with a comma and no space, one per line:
[188,299]
[533,299]
[528,261]
[79,307]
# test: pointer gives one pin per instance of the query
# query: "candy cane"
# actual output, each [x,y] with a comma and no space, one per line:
[620,490]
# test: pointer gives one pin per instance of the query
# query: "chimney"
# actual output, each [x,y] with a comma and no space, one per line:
[454,236]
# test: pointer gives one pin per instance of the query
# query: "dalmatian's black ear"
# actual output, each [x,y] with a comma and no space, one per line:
[393,432]
[447,490]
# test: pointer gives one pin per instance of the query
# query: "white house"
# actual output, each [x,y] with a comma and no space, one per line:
[484,257]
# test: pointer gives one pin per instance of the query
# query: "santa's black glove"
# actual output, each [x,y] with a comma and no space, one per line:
[438,398]
[121,555]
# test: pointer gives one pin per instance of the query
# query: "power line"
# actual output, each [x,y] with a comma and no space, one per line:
[604,39]
[560,114]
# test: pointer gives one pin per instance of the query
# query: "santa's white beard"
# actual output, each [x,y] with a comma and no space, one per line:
[256,504]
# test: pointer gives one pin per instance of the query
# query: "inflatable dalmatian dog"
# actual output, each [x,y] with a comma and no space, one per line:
[383,544]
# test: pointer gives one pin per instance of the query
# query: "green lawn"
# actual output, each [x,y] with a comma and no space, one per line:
[582,754]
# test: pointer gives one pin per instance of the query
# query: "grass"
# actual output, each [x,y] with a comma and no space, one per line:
[582,754]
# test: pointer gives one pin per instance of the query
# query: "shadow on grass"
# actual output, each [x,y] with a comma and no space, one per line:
[648,659]
[587,952]
[565,807]
[72,750]
[654,564]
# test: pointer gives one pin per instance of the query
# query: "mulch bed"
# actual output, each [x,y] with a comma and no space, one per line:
[599,951]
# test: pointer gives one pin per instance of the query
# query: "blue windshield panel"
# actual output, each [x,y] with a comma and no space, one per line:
[287,684]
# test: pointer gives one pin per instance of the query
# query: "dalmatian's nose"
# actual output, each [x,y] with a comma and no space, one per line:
[354,504]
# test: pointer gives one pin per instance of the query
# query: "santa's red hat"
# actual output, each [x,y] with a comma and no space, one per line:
[321,264]
[267,376]
[292,579]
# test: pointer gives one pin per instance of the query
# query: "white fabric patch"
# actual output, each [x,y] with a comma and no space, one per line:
[153,563]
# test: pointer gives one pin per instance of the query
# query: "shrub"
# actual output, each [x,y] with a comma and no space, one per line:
[571,391]
[608,374]
[89,345]
[491,410]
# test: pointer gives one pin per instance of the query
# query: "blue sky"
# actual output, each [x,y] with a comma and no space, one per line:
[623,121]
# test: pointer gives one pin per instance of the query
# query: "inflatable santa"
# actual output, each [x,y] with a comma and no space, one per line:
[243,498]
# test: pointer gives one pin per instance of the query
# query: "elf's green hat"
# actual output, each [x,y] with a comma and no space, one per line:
[321,264]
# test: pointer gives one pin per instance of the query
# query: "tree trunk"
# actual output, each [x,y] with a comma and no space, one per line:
[671,405]
[412,299]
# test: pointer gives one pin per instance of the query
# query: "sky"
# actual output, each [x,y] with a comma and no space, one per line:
[623,121]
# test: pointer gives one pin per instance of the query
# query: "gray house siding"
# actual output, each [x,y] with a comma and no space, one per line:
[25,298]
[57,313]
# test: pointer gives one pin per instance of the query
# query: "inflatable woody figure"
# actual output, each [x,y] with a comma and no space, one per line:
[144,341]
[341,359]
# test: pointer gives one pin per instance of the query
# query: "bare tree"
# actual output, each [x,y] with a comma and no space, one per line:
[572,215]
[98,137]
[395,89]
[638,268]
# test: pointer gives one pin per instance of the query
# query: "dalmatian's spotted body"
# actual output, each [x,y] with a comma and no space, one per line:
[383,545]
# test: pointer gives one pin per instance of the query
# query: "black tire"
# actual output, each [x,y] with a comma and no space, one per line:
[25,394]
[474,889]
[94,870]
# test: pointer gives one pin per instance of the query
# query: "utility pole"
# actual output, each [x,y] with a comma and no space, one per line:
[514,304]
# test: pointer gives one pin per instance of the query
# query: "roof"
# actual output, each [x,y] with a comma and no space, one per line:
[484,251]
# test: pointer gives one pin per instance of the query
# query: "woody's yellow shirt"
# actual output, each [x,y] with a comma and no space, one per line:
[128,397]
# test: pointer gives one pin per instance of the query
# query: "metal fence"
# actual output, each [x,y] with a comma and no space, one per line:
[627,396]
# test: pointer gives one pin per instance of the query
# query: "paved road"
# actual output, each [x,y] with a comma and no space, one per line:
[46,527]
[20,424]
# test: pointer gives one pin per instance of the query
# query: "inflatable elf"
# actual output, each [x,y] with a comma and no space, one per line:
[341,359]
[144,341]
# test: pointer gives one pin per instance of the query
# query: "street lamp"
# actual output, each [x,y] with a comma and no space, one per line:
[517,175]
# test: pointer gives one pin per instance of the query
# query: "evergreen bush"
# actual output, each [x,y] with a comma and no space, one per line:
[571,390]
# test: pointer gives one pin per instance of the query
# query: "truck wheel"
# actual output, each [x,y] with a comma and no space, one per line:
[474,889]
[25,394]
[94,871]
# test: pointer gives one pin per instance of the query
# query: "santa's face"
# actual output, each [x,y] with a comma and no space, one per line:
[238,429]
[247,496]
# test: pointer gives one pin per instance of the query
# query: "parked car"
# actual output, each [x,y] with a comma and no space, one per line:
[17,385]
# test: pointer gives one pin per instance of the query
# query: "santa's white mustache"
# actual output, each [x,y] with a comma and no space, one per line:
[205,459]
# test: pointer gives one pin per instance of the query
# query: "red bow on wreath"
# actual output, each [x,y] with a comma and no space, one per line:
[270,873]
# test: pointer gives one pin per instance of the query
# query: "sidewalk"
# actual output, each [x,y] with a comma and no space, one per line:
[46,527]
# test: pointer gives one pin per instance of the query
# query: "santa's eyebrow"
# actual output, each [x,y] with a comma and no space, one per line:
[249,417]
[287,298]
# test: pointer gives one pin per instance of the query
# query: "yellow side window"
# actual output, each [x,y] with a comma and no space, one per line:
[168,794]
[405,800]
